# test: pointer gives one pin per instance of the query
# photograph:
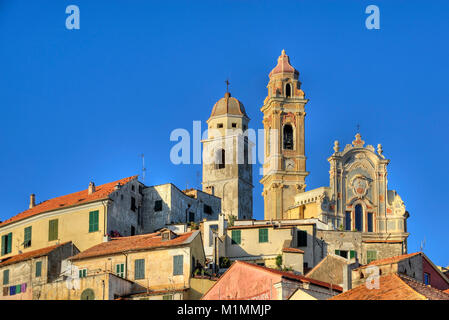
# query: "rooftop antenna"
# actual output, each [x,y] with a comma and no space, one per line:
[198,176]
[143,167]
[423,244]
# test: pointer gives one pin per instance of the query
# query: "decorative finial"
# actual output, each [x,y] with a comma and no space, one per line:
[379,149]
[336,146]
[358,142]
[283,52]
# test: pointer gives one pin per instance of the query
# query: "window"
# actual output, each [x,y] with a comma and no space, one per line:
[358,217]
[6,243]
[139,269]
[220,159]
[220,125]
[38,269]
[133,230]
[371,256]
[263,235]
[178,265]
[288,90]
[348,220]
[236,237]
[120,270]
[53,230]
[370,222]
[288,137]
[133,204]
[27,237]
[234,125]
[426,278]
[207,209]
[167,297]
[83,273]
[158,205]
[5,277]
[93,221]
[88,294]
[191,216]
[342,253]
[302,238]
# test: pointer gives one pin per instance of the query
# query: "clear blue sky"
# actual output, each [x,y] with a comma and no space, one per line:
[81,105]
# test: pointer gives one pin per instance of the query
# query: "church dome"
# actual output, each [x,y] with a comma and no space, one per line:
[283,65]
[228,105]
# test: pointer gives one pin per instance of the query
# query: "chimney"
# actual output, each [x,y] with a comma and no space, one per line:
[91,188]
[117,186]
[32,200]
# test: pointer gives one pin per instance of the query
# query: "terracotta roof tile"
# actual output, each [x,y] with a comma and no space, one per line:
[73,199]
[394,287]
[292,276]
[133,243]
[390,260]
[446,291]
[30,255]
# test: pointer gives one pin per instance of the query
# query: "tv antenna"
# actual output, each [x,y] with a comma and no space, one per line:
[143,167]
[423,244]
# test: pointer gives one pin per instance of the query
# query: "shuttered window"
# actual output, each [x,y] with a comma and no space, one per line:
[5,277]
[236,237]
[263,235]
[371,256]
[302,238]
[351,254]
[38,269]
[6,243]
[139,269]
[53,230]
[83,273]
[178,262]
[120,270]
[27,237]
[93,221]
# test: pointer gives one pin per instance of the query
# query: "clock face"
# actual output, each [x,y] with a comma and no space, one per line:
[289,164]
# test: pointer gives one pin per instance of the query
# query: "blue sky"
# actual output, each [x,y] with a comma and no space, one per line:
[81,105]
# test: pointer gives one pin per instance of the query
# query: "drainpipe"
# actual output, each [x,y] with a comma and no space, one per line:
[105,213]
[126,265]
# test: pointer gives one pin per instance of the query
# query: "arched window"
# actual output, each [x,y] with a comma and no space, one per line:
[288,137]
[359,217]
[220,159]
[288,90]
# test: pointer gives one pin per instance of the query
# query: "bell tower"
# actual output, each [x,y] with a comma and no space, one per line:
[227,168]
[284,169]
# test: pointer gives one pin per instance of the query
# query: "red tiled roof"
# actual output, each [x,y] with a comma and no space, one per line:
[394,287]
[292,250]
[30,255]
[391,260]
[73,199]
[446,291]
[292,276]
[133,243]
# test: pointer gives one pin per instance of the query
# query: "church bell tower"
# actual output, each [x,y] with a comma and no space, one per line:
[284,169]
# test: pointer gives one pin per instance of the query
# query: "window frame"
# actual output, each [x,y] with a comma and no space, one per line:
[25,233]
[139,269]
[38,269]
[178,262]
[120,272]
[234,238]
[94,221]
[6,277]
[263,235]
[53,230]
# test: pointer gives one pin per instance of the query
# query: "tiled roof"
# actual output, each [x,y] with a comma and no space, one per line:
[446,291]
[394,287]
[30,255]
[73,199]
[283,65]
[292,276]
[391,260]
[133,243]
[292,250]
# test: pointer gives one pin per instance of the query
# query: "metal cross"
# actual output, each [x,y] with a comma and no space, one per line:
[227,85]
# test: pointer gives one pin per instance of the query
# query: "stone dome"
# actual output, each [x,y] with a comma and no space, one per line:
[228,105]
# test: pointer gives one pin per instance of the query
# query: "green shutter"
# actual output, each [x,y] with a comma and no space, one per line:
[93,221]
[18,288]
[178,265]
[263,235]
[27,237]
[38,269]
[337,252]
[371,256]
[236,237]
[53,230]
[352,254]
[139,269]
[5,277]
[3,245]
[9,242]
[167,297]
